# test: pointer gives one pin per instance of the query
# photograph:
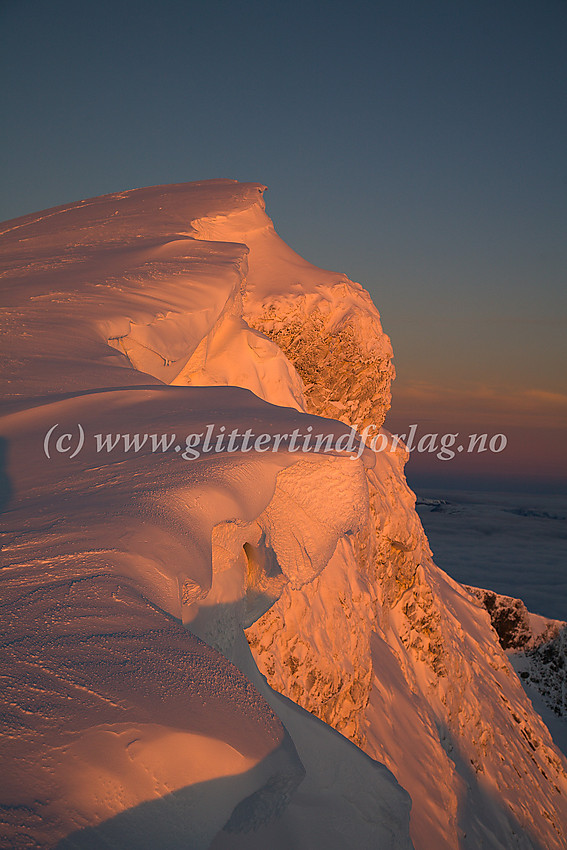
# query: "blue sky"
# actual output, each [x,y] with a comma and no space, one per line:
[417,146]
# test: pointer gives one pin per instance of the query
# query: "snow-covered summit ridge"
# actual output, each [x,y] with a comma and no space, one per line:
[367,632]
[120,720]
[153,271]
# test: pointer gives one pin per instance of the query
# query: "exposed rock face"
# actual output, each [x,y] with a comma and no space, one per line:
[358,394]
[515,626]
[510,622]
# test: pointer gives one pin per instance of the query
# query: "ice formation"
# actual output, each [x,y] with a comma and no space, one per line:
[136,715]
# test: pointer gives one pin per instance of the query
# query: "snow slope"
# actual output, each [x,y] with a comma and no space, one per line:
[121,727]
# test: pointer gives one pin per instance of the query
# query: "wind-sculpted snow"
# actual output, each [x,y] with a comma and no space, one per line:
[320,319]
[122,728]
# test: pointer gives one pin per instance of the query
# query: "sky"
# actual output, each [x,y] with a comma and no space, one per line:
[417,146]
